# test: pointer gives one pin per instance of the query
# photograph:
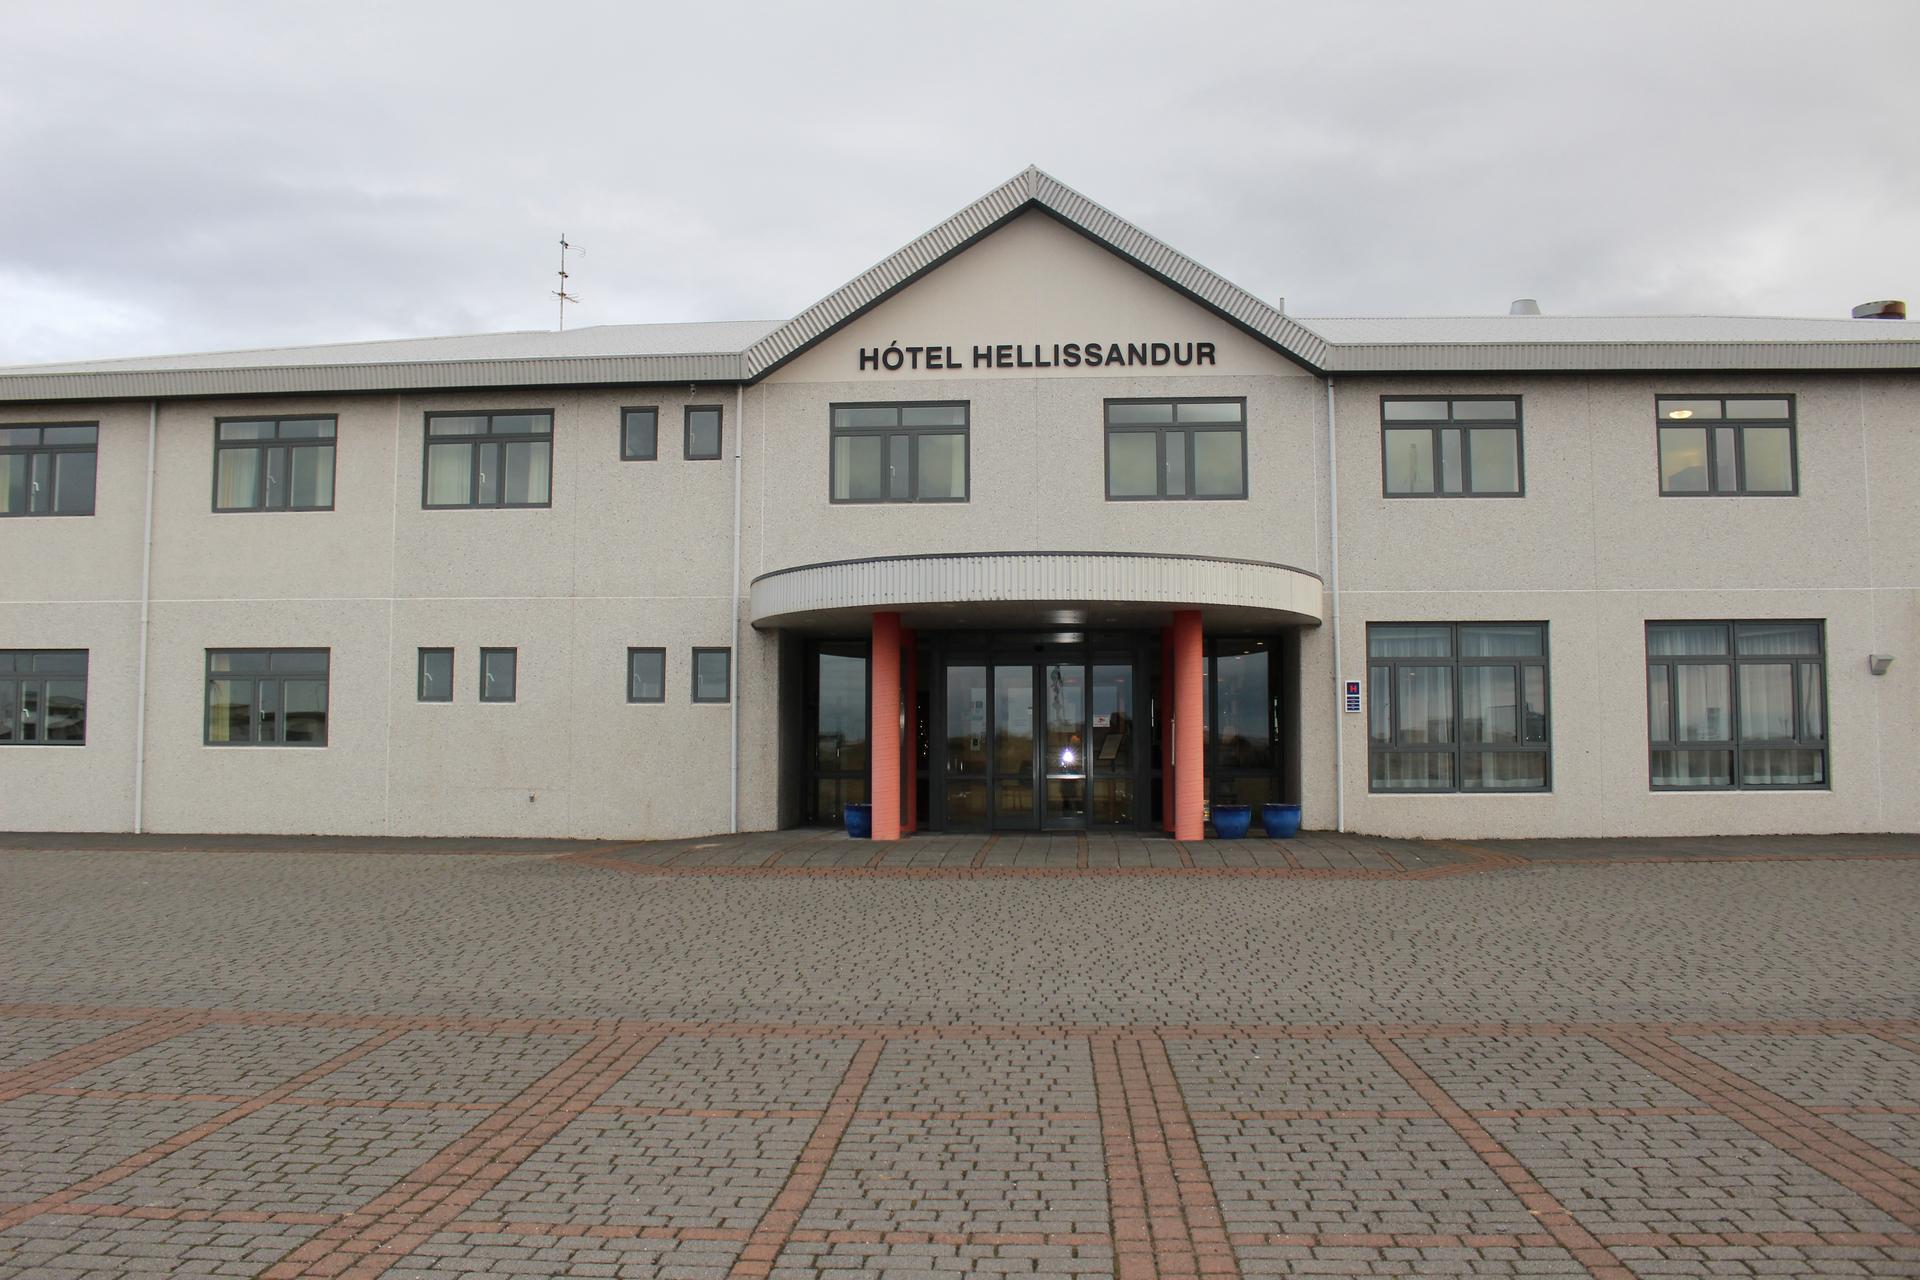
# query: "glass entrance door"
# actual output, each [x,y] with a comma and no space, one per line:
[1065,760]
[1013,746]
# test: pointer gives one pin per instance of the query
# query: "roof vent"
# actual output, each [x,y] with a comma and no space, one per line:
[1524,307]
[1886,309]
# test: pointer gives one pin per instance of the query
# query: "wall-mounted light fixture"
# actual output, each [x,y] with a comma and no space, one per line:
[1879,662]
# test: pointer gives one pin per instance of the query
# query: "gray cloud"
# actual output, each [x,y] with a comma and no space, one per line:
[209,175]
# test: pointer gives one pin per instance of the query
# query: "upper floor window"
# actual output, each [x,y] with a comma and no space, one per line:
[1451,447]
[899,453]
[646,675]
[1176,449]
[267,697]
[273,464]
[702,442]
[639,435]
[712,675]
[1736,704]
[43,697]
[1458,706]
[1727,445]
[499,675]
[47,470]
[489,459]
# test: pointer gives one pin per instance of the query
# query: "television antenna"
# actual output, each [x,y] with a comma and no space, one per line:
[561,293]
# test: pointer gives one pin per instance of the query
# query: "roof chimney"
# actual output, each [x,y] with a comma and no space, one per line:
[1886,309]
[1524,307]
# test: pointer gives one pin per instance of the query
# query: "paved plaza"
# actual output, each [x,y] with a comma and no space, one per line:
[799,1056]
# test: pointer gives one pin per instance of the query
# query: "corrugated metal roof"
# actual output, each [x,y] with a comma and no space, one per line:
[1433,344]
[598,354]
[733,351]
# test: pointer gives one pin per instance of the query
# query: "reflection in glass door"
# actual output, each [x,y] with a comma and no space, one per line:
[837,729]
[1110,743]
[1066,744]
[1013,742]
[966,776]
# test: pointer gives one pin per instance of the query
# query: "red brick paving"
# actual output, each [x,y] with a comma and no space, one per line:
[1165,1219]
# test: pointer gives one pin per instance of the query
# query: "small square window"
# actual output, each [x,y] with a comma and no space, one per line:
[499,675]
[436,675]
[712,675]
[639,435]
[646,675]
[703,432]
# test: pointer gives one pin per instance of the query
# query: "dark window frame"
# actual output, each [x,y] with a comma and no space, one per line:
[1739,425]
[39,448]
[513,695]
[654,454]
[420,673]
[1458,748]
[473,463]
[1160,430]
[720,433]
[259,679]
[1735,743]
[14,683]
[724,652]
[836,433]
[1465,426]
[276,441]
[634,651]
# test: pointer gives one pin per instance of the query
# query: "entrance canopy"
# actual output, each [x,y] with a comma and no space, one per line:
[1035,588]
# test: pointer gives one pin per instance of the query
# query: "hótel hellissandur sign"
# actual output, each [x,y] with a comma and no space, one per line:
[1019,355]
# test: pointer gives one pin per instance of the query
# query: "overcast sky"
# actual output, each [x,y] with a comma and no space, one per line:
[192,176]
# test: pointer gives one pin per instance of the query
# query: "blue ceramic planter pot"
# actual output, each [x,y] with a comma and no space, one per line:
[860,821]
[1230,821]
[1280,820]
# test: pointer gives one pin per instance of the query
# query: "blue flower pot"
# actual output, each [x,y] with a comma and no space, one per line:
[1230,821]
[1280,820]
[860,821]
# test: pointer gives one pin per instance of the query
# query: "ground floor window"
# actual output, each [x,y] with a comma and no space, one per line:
[1458,706]
[43,697]
[267,697]
[836,729]
[1736,704]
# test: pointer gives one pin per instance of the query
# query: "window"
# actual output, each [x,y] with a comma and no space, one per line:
[703,432]
[499,675]
[1176,449]
[436,675]
[273,464]
[489,460]
[267,697]
[1721,445]
[43,697]
[1457,447]
[1458,706]
[646,675]
[1736,704]
[899,453]
[712,675]
[48,470]
[639,435]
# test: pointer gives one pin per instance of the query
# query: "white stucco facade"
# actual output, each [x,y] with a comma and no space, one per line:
[644,554]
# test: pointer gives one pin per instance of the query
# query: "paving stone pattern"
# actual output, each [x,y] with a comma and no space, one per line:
[789,1056]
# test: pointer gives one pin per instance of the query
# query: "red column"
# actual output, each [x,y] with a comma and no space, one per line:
[910,744]
[883,735]
[1166,729]
[1189,736]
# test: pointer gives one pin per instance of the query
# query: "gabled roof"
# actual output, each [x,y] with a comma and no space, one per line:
[743,351]
[1033,189]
